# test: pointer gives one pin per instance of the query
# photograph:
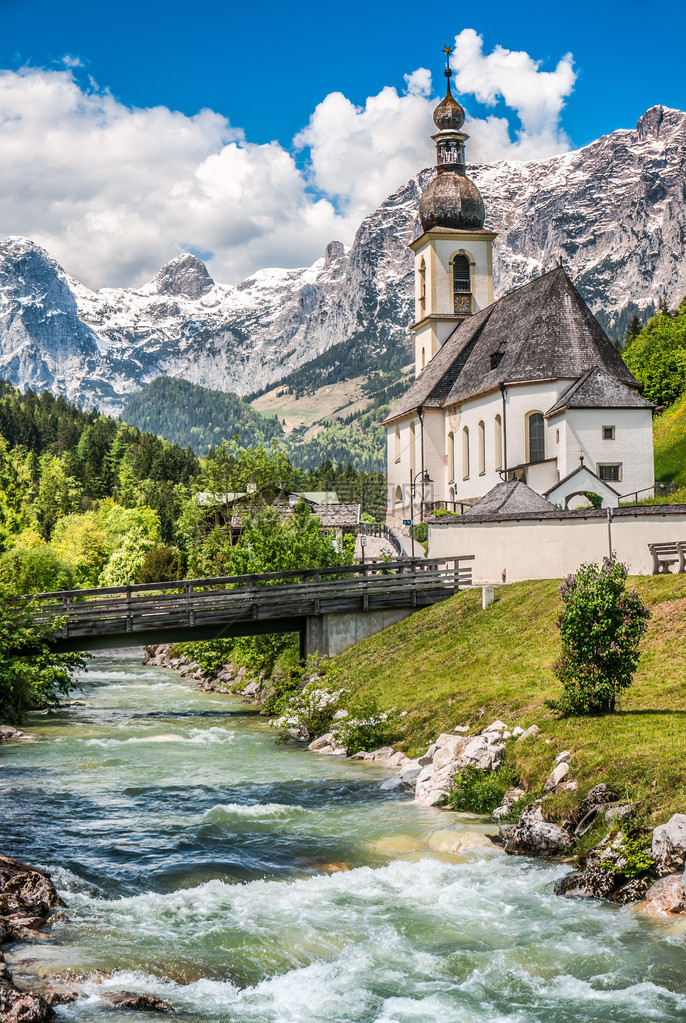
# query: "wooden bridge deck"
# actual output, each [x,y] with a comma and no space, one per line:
[243,605]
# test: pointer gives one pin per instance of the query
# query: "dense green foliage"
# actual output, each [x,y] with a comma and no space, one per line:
[477,791]
[601,625]
[670,444]
[31,674]
[657,356]
[197,417]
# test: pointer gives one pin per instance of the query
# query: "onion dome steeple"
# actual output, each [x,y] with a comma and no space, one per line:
[451,200]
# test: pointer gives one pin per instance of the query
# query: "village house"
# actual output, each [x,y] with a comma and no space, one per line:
[528,388]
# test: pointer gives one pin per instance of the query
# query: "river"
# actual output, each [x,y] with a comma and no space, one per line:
[240,879]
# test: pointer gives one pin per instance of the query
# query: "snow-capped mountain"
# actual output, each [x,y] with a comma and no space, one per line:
[614,212]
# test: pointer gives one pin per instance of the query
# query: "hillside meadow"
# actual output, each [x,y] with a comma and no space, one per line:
[454,664]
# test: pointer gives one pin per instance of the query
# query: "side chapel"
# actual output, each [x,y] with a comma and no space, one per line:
[527,388]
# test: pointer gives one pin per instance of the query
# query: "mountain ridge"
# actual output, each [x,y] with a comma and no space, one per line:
[613,211]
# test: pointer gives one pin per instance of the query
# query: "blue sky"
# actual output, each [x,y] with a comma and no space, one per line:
[266,65]
[254,133]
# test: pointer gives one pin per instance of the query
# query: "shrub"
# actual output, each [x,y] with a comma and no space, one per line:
[31,673]
[421,532]
[477,791]
[595,500]
[160,564]
[36,569]
[441,512]
[366,727]
[635,858]
[601,625]
[312,709]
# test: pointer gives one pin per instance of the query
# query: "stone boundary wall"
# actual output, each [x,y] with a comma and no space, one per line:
[549,546]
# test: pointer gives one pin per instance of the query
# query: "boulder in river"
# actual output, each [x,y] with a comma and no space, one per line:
[141,1003]
[665,896]
[669,845]
[532,836]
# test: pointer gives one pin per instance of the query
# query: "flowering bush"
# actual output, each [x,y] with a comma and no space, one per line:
[366,727]
[311,709]
[601,625]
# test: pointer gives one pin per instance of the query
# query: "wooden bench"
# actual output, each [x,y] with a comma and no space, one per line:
[666,554]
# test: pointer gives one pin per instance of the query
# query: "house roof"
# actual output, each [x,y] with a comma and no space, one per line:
[337,516]
[583,470]
[598,389]
[542,331]
[513,497]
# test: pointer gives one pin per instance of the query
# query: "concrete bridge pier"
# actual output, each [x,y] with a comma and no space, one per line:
[331,634]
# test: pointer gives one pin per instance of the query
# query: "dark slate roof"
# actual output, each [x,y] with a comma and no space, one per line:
[513,497]
[663,511]
[543,330]
[597,389]
[337,516]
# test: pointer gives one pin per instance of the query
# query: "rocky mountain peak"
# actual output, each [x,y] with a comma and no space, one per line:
[333,251]
[186,276]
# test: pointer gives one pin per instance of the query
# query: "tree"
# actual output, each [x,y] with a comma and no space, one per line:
[657,357]
[633,330]
[601,625]
[35,569]
[31,673]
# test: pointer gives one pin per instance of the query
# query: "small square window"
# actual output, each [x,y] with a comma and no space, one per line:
[610,473]
[608,433]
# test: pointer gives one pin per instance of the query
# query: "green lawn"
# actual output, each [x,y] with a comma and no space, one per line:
[455,664]
[669,431]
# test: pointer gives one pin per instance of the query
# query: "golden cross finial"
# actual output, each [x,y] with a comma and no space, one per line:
[448,50]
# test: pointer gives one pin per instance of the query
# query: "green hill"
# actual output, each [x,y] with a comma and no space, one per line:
[669,430]
[197,417]
[454,664]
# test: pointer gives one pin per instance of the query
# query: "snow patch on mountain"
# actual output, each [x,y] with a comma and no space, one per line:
[613,212]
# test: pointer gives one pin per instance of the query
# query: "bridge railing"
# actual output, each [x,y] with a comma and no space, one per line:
[268,595]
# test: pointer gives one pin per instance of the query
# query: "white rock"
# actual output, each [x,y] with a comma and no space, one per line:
[461,728]
[507,735]
[383,754]
[517,730]
[446,739]
[556,776]
[317,745]
[398,760]
[340,714]
[410,773]
[390,784]
[496,726]
[564,757]
[669,844]
[530,732]
[457,842]
[482,754]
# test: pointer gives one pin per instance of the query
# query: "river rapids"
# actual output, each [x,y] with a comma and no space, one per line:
[240,879]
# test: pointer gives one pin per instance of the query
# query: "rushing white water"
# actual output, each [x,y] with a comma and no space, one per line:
[241,879]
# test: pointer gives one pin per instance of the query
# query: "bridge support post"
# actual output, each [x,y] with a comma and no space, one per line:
[331,634]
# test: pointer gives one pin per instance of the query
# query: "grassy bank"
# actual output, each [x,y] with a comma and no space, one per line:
[455,664]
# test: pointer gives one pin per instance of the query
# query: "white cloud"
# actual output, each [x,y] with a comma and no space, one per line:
[114,192]
[537,97]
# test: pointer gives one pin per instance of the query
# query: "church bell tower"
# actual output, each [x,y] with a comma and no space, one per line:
[454,254]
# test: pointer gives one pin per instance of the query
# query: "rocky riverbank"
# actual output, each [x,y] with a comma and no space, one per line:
[29,903]
[619,856]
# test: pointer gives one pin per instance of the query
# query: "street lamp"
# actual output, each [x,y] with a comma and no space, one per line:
[413,483]
[363,544]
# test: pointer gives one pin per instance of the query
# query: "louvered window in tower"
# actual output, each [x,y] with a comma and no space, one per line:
[462,285]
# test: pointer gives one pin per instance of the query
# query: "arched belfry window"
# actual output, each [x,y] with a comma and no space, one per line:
[536,437]
[422,289]
[462,285]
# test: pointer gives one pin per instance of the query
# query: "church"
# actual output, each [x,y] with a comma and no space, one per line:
[528,388]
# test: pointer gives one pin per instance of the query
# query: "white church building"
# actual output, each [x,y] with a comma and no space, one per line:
[527,388]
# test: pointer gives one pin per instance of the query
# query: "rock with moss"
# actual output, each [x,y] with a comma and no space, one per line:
[534,836]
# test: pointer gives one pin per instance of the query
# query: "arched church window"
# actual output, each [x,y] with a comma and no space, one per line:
[396,443]
[423,357]
[398,497]
[451,455]
[413,447]
[536,437]
[422,289]
[462,285]
[498,442]
[481,434]
[465,452]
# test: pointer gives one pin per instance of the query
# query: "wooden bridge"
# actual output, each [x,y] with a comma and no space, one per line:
[331,608]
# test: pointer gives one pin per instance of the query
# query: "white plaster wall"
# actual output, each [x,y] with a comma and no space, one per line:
[632,446]
[437,251]
[552,548]
[519,401]
[410,461]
